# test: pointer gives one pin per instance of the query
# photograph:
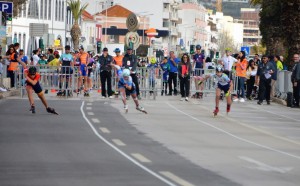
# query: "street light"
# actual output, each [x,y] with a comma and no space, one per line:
[144,16]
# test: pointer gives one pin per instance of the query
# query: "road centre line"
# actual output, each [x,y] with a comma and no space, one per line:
[90,113]
[122,153]
[118,142]
[175,178]
[104,130]
[95,120]
[141,158]
[88,108]
[234,136]
[257,128]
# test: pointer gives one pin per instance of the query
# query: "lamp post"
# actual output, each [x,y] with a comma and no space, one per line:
[144,16]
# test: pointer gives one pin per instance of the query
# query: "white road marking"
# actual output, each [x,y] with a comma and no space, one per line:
[95,120]
[89,104]
[234,136]
[90,113]
[118,142]
[281,128]
[88,108]
[175,178]
[104,130]
[265,167]
[141,158]
[123,153]
[105,103]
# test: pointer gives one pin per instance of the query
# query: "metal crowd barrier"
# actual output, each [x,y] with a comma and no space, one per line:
[150,80]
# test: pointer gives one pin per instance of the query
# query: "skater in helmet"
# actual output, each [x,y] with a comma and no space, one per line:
[126,83]
[32,84]
[223,84]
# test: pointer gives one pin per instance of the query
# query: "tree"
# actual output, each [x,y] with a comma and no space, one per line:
[77,10]
[290,19]
[18,6]
[225,40]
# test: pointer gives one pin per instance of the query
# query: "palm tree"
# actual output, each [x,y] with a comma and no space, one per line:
[77,10]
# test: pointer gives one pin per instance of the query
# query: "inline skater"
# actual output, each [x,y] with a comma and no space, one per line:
[126,84]
[223,84]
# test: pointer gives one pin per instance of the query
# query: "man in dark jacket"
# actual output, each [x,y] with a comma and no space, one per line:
[130,62]
[263,79]
[105,61]
[296,80]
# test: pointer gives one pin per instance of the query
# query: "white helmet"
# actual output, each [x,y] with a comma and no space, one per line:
[126,72]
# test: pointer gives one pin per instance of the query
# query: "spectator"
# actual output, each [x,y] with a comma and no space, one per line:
[208,63]
[165,68]
[130,62]
[256,59]
[274,76]
[241,67]
[35,57]
[173,62]
[251,73]
[228,62]
[278,63]
[296,80]
[199,64]
[50,55]
[263,79]
[24,57]
[14,62]
[105,61]
[184,73]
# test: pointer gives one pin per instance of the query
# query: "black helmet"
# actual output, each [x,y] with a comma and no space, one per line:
[198,46]
[32,70]
[219,68]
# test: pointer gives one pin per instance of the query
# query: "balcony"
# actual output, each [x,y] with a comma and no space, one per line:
[174,31]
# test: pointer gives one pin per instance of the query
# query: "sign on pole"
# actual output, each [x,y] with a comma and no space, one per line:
[132,23]
[6,7]
[246,49]
[132,37]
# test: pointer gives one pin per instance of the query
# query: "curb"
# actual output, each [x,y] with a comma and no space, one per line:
[9,93]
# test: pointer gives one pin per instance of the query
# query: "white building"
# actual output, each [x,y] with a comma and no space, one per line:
[50,12]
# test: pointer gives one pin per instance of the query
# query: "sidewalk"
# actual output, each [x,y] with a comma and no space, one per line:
[13,92]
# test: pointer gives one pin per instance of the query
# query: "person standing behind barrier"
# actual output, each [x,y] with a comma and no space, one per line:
[66,61]
[105,61]
[13,66]
[24,57]
[118,60]
[228,62]
[278,63]
[199,64]
[130,62]
[257,60]
[274,76]
[84,59]
[173,62]
[241,67]
[50,55]
[90,76]
[296,80]
[251,73]
[184,74]
[165,68]
[35,57]
[263,79]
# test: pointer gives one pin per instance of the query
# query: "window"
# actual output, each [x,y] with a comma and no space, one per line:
[46,9]
[33,10]
[166,23]
[24,41]
[56,10]
[114,38]
[59,10]
[166,7]
[63,11]
[50,9]
[41,8]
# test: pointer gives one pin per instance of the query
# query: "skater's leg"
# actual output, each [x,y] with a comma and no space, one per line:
[30,95]
[43,99]
[136,101]
[123,95]
[218,93]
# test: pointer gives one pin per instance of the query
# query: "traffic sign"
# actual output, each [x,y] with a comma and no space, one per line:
[246,49]
[6,7]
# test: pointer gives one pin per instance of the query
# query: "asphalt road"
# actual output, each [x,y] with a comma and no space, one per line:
[93,142]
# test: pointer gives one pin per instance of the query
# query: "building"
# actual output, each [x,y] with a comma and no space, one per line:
[112,29]
[192,28]
[51,13]
[250,19]
[88,32]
